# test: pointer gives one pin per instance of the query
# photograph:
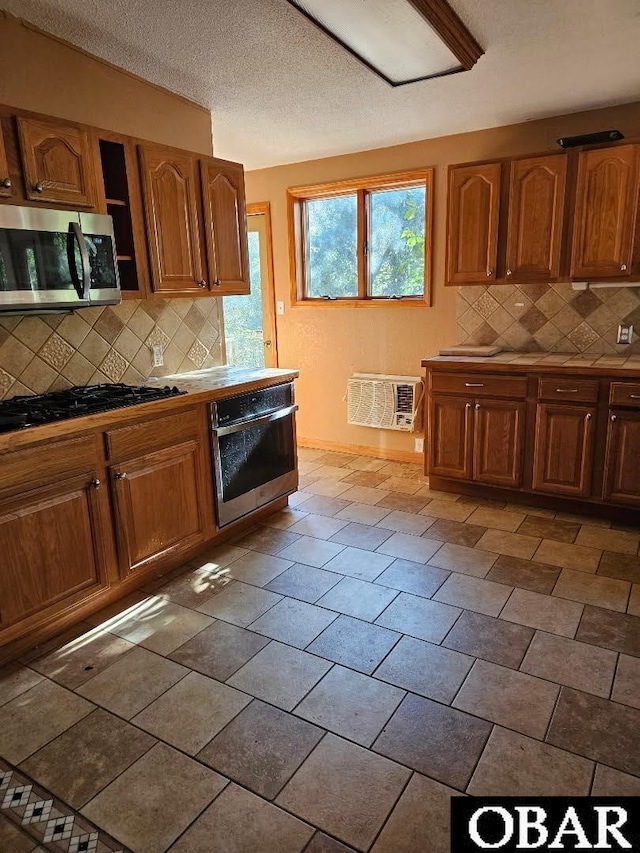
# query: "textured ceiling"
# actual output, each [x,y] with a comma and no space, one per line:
[280,91]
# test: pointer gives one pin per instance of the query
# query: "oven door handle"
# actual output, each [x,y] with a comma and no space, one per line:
[254,422]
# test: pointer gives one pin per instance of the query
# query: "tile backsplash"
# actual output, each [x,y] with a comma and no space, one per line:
[547,317]
[54,351]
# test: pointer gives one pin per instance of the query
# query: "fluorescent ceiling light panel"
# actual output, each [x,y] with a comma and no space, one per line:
[394,38]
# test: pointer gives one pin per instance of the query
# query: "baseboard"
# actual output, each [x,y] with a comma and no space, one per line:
[362,450]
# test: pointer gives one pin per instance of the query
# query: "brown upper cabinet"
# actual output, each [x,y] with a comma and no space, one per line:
[605,212]
[472,226]
[6,185]
[536,212]
[58,162]
[225,225]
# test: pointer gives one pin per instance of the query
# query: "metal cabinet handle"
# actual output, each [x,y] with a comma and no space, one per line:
[95,484]
[6,183]
[567,390]
[202,283]
[623,267]
[634,396]
[614,417]
[588,416]
[38,188]
[474,384]
[120,475]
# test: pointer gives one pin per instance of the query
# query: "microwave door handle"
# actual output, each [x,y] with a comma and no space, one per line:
[84,260]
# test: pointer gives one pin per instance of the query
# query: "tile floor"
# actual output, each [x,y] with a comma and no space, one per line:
[327,682]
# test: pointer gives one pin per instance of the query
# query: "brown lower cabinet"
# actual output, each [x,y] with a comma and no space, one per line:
[622,466]
[498,442]
[563,451]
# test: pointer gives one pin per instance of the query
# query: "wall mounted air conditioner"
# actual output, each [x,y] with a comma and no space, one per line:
[384,402]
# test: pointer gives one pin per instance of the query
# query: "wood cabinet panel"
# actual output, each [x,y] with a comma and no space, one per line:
[499,432]
[536,212]
[49,545]
[141,438]
[605,212]
[622,464]
[225,226]
[450,436]
[563,452]
[480,384]
[36,466]
[6,188]
[472,227]
[58,161]
[171,199]
[625,394]
[159,503]
[569,389]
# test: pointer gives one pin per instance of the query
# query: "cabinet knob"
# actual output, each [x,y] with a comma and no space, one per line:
[623,267]
[267,343]
[217,283]
[509,272]
[202,283]
[38,188]
[95,484]
[614,417]
[489,272]
[120,475]
[467,406]
[588,416]
[477,406]
[6,183]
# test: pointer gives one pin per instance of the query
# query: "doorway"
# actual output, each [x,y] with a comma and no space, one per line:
[249,321]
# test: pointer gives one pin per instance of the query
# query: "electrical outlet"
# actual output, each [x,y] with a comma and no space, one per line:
[157,355]
[625,334]
[419,445]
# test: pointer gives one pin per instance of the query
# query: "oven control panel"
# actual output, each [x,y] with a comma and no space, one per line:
[253,404]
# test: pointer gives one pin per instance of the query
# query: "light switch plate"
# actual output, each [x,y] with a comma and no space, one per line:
[280,308]
[419,445]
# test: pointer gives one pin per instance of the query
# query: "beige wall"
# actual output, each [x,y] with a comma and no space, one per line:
[329,343]
[41,73]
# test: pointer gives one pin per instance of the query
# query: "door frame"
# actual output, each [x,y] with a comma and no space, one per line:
[268,285]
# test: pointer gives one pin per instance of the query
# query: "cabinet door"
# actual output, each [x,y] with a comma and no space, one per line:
[159,504]
[450,437]
[498,442]
[5,180]
[472,227]
[536,209]
[59,162]
[563,452]
[606,202]
[622,466]
[49,541]
[171,193]
[225,226]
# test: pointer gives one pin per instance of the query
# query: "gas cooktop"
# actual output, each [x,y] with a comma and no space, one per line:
[22,412]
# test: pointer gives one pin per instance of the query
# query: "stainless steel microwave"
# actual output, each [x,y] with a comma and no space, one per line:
[54,260]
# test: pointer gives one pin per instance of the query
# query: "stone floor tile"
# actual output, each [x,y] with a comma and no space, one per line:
[353,643]
[164,791]
[365,478]
[626,687]
[420,822]
[407,576]
[571,663]
[116,610]
[460,558]
[192,712]
[268,540]
[318,526]
[345,790]
[285,518]
[492,639]
[366,463]
[432,738]
[261,748]
[633,608]
[132,682]
[35,717]
[538,511]
[610,630]
[404,485]
[16,679]
[549,528]
[449,509]
[405,522]
[406,503]
[436,494]
[591,520]
[359,564]
[280,675]
[219,650]
[419,617]
[294,622]
[257,568]
[608,540]
[456,532]
[362,494]
[511,544]
[85,758]
[621,566]
[240,603]
[321,505]
[425,668]
[311,552]
[298,498]
[13,839]
[604,592]
[304,582]
[357,598]
[597,728]
[524,573]
[220,556]
[362,536]
[498,519]
[363,513]
[329,488]
[191,586]
[519,766]
[157,624]
[543,612]
[350,704]
[509,698]
[79,660]
[473,594]
[608,782]
[321,843]
[578,557]
[416,548]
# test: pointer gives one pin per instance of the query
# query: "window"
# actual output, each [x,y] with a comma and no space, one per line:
[362,241]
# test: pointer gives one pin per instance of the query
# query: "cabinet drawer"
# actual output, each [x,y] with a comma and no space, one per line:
[32,467]
[149,435]
[625,394]
[480,384]
[567,389]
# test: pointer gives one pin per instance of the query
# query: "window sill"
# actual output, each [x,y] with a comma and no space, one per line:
[418,302]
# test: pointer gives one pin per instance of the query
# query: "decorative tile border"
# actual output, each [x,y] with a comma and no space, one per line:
[47,820]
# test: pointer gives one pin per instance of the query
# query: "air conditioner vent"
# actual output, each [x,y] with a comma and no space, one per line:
[384,402]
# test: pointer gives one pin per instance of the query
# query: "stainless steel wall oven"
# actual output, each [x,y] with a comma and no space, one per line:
[254,450]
